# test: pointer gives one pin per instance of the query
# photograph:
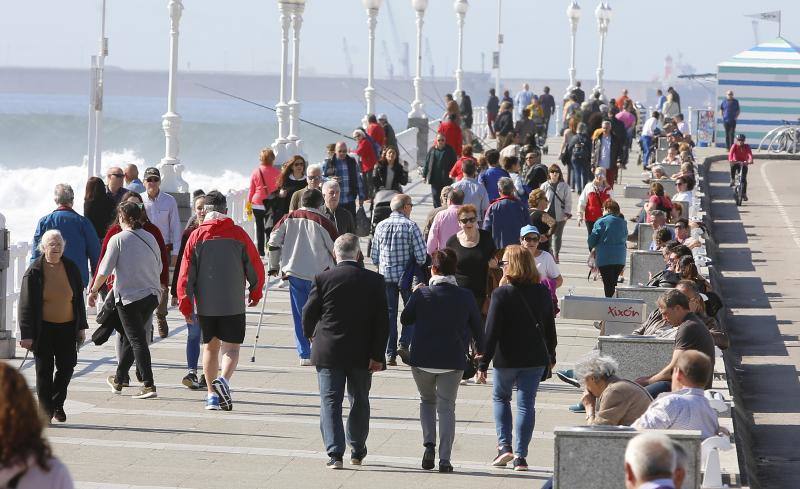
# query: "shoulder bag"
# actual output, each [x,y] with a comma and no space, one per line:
[548,370]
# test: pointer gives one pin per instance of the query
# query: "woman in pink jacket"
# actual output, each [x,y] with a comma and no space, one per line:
[263,183]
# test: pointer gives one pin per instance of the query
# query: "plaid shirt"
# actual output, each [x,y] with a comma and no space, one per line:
[343,173]
[397,239]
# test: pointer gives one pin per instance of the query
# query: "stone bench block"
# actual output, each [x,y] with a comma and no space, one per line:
[643,263]
[646,235]
[590,308]
[636,191]
[594,457]
[637,355]
[648,294]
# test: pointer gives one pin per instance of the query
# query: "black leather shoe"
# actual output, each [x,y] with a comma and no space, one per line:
[60,415]
[444,466]
[429,458]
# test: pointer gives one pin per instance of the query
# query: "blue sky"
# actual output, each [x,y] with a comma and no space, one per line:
[243,35]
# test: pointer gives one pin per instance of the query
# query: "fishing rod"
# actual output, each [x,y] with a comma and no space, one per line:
[222,92]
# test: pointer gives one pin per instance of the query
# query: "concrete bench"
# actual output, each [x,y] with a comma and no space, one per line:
[648,294]
[636,192]
[620,316]
[646,235]
[670,170]
[637,356]
[593,457]
[644,263]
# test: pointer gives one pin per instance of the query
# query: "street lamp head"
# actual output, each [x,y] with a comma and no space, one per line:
[461,6]
[419,5]
[372,4]
[608,12]
[603,12]
[293,2]
[574,11]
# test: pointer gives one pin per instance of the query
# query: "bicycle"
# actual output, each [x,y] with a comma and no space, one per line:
[738,193]
[782,139]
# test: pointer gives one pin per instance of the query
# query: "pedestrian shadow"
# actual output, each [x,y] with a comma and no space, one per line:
[164,431]
[457,473]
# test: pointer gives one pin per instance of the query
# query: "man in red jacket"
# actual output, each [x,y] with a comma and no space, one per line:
[375,130]
[219,257]
[452,133]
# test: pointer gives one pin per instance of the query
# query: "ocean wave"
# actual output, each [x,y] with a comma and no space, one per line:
[28,191]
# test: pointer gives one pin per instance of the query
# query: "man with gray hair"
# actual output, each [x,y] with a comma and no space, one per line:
[397,248]
[605,152]
[313,179]
[650,462]
[506,215]
[345,221]
[658,221]
[82,245]
[301,246]
[345,169]
[345,318]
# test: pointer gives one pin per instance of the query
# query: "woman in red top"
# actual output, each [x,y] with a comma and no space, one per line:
[451,132]
[657,201]
[456,173]
[740,153]
[366,153]
[263,183]
[590,203]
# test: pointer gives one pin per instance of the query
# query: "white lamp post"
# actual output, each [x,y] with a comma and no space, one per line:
[372,7]
[496,60]
[294,142]
[417,111]
[574,15]
[461,7]
[281,108]
[603,14]
[171,121]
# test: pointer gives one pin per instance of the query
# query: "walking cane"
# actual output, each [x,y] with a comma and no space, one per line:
[260,317]
[27,352]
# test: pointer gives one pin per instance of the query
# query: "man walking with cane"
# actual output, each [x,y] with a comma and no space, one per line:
[347,321]
[218,259]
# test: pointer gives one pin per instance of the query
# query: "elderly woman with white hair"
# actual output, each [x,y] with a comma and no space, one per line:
[52,321]
[608,399]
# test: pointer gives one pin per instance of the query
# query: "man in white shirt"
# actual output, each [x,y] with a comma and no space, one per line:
[522,99]
[650,129]
[686,407]
[650,462]
[474,192]
[162,210]
[683,127]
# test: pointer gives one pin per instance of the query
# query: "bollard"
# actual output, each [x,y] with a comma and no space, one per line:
[7,340]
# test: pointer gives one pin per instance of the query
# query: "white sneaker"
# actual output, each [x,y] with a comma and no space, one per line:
[305,362]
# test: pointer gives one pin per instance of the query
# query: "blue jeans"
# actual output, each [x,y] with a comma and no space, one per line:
[578,175]
[298,295]
[193,343]
[527,382]
[331,392]
[647,147]
[392,292]
[657,388]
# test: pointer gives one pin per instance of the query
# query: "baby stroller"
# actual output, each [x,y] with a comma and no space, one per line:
[379,211]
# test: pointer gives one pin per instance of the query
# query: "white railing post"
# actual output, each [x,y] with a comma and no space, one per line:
[6,334]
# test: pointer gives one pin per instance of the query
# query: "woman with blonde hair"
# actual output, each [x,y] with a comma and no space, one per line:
[26,459]
[263,183]
[521,340]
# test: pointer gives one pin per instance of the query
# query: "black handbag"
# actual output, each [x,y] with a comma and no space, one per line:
[108,319]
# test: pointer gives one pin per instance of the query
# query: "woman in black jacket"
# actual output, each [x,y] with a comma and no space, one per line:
[98,207]
[389,173]
[52,321]
[444,316]
[521,337]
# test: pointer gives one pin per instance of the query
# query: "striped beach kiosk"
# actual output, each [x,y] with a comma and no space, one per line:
[766,81]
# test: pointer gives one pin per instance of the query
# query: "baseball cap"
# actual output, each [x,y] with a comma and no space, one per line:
[152,172]
[529,229]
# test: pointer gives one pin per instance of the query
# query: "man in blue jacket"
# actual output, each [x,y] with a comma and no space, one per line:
[82,244]
[506,215]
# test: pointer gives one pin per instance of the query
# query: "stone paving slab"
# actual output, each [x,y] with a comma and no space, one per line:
[272,439]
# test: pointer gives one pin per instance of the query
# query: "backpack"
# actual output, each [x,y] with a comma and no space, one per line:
[375,146]
[581,150]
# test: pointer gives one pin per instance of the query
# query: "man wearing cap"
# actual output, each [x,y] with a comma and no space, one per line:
[388,130]
[545,263]
[162,210]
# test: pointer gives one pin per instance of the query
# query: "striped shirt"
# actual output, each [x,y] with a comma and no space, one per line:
[686,409]
[397,240]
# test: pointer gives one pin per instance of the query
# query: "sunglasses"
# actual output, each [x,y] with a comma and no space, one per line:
[468,220]
[502,263]
[530,239]
[152,179]
[118,175]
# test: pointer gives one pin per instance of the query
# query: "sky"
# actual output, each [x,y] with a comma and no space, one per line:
[244,35]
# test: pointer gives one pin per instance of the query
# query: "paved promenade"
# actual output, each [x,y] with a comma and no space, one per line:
[272,438]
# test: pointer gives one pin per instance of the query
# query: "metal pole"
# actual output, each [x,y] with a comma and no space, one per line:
[499,45]
[294,106]
[90,159]
[98,103]
[417,105]
[279,146]
[460,69]
[171,120]
[369,92]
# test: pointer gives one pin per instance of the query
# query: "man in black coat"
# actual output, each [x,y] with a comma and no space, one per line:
[347,321]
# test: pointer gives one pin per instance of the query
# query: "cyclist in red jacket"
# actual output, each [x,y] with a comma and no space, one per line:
[740,153]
